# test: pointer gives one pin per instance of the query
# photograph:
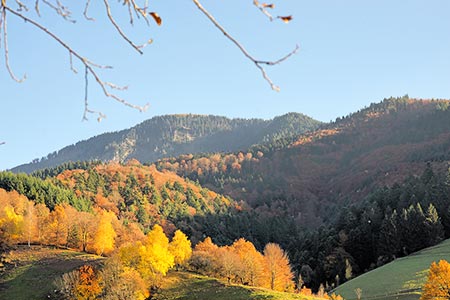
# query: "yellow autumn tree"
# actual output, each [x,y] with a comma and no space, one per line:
[180,247]
[11,224]
[151,258]
[155,257]
[278,268]
[105,234]
[12,209]
[437,286]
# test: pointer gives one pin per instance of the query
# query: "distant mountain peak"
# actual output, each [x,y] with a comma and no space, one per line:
[172,135]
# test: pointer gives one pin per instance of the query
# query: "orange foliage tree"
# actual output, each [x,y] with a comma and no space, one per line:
[437,286]
[89,283]
[204,257]
[251,263]
[56,227]
[278,268]
[242,263]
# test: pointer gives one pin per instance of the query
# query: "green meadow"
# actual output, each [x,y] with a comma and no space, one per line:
[401,279]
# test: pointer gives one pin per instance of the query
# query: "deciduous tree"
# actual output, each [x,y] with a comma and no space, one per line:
[105,235]
[437,286]
[278,268]
[251,267]
[180,247]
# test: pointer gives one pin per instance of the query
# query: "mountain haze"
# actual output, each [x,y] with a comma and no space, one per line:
[172,135]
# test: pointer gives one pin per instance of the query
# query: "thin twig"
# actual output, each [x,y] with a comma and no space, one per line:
[5,44]
[21,6]
[130,13]
[115,86]
[1,25]
[272,63]
[36,8]
[87,110]
[2,143]
[85,13]
[257,63]
[119,30]
[71,63]
[88,64]
[60,10]
[93,64]
[263,9]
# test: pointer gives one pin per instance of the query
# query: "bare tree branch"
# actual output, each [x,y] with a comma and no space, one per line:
[21,6]
[71,63]
[139,12]
[263,9]
[2,143]
[257,63]
[89,66]
[87,110]
[5,44]
[120,31]
[86,8]
[272,63]
[61,10]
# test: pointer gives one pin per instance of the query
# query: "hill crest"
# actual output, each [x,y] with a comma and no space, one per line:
[173,135]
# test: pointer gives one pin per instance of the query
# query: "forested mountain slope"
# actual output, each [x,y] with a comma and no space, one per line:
[133,192]
[339,163]
[172,135]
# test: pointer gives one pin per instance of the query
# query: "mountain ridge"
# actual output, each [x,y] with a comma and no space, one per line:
[173,135]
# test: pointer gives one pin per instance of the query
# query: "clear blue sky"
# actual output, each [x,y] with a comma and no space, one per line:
[352,53]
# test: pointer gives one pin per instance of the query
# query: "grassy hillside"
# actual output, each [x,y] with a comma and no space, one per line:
[188,286]
[400,279]
[29,273]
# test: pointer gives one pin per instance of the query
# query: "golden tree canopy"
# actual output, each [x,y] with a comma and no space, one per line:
[437,286]
[180,247]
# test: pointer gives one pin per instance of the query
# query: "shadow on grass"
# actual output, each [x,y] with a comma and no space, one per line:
[30,280]
[189,286]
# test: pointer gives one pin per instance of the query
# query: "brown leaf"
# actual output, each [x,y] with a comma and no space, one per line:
[266,5]
[157,18]
[286,19]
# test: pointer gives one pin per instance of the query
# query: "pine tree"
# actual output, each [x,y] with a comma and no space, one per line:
[435,230]
[389,238]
